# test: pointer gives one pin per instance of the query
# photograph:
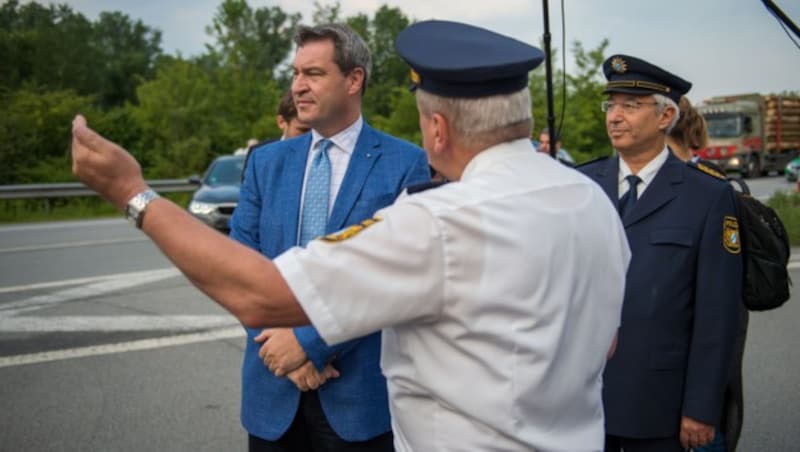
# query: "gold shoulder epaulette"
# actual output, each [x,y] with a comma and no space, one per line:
[707,169]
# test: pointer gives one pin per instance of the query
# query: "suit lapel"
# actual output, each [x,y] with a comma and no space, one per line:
[365,154]
[662,190]
[292,187]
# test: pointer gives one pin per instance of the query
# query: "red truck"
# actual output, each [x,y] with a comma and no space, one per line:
[752,134]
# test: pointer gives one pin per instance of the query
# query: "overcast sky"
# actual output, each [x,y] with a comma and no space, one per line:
[722,46]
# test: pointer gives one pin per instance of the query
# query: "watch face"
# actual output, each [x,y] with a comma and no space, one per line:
[134,211]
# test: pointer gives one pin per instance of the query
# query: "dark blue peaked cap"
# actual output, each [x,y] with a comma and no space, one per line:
[452,59]
[631,75]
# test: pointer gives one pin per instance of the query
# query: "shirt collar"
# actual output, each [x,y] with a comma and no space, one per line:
[498,152]
[648,172]
[344,140]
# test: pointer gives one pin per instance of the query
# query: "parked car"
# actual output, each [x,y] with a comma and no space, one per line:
[214,201]
[792,169]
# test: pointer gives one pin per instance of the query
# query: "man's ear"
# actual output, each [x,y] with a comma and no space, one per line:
[441,133]
[666,118]
[356,77]
[282,124]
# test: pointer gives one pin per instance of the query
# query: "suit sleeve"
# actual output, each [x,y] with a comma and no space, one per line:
[244,222]
[309,338]
[718,296]
[419,172]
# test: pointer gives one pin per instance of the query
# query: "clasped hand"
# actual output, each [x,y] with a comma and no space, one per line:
[283,355]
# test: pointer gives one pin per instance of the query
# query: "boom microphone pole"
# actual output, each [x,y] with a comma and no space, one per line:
[551,119]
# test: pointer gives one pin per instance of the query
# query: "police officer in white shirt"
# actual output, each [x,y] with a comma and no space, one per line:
[499,294]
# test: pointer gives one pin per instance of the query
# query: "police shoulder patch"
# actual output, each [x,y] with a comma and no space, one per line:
[350,231]
[702,167]
[730,235]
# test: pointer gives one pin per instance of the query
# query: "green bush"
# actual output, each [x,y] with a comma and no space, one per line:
[787,206]
[75,208]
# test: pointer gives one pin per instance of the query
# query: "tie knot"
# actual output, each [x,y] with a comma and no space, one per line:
[633,180]
[325,144]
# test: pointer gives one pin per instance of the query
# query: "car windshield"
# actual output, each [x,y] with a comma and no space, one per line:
[724,125]
[225,171]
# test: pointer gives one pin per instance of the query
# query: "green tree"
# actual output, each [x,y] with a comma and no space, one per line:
[326,14]
[128,50]
[35,126]
[188,115]
[583,130]
[246,39]
[55,48]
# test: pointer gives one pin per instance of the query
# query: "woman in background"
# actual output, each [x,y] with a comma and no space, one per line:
[689,135]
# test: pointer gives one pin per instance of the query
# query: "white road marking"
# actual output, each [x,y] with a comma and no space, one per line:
[90,323]
[100,287]
[54,246]
[62,225]
[144,344]
[67,282]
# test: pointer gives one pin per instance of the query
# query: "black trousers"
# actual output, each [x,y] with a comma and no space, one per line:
[311,432]
[618,443]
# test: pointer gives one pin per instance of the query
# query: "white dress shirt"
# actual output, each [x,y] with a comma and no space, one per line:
[344,143]
[646,174]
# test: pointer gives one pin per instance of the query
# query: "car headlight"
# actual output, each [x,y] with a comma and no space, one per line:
[201,208]
[734,161]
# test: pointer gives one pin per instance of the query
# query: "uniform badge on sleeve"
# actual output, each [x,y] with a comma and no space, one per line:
[350,231]
[730,232]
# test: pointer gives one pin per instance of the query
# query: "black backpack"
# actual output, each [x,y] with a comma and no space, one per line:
[765,256]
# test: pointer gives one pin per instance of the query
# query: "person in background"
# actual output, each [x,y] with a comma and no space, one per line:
[561,154]
[295,190]
[287,121]
[663,388]
[290,125]
[498,294]
[689,135]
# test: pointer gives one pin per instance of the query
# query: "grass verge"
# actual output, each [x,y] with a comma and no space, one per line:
[74,208]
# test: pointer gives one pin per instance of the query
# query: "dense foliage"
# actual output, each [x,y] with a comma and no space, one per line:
[175,113]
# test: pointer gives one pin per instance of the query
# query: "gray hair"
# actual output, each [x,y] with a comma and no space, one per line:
[662,103]
[484,121]
[349,49]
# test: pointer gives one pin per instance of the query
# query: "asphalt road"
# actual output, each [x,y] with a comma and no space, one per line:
[104,346]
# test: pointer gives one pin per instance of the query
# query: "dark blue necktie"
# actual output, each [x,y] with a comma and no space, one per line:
[629,199]
[315,203]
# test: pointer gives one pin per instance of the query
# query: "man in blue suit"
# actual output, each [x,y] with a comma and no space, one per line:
[663,388]
[293,191]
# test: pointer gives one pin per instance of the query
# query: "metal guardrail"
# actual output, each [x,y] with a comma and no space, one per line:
[69,189]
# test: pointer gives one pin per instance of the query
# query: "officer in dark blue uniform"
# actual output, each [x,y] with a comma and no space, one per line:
[663,388]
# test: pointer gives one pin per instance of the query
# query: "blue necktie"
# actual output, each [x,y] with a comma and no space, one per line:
[315,204]
[629,199]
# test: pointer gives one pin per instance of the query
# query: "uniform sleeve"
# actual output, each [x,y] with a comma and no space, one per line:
[718,297]
[245,220]
[389,273]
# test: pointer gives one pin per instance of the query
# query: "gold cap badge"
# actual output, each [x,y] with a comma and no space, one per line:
[415,77]
[619,65]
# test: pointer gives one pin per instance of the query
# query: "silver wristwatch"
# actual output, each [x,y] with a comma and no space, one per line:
[134,212]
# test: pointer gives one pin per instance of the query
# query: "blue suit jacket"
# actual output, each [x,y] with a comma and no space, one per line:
[266,219]
[681,307]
